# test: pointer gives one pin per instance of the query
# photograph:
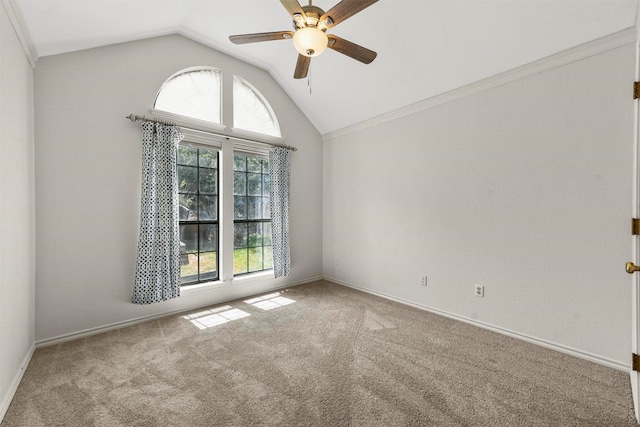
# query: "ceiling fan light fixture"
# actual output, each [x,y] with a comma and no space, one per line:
[298,19]
[310,41]
[327,22]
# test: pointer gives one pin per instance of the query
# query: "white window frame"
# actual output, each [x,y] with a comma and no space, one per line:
[227,149]
[206,134]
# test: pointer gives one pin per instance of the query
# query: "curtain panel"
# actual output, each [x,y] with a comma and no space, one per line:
[158,262]
[280,177]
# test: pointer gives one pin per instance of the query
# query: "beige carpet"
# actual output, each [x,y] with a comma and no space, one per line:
[315,355]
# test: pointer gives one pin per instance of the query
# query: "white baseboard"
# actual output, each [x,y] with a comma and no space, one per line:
[8,397]
[524,337]
[118,325]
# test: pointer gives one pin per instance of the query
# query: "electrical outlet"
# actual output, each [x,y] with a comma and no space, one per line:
[479,290]
[423,280]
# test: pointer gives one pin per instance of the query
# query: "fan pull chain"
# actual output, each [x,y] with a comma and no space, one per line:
[309,80]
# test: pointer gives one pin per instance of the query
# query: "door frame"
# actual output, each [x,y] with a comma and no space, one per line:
[635,251]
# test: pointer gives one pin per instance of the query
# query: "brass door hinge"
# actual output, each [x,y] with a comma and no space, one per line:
[635,226]
[636,90]
[635,362]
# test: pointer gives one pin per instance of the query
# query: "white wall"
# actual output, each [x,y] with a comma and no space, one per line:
[88,180]
[524,188]
[17,224]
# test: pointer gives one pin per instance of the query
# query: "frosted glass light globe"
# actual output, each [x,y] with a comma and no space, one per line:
[310,41]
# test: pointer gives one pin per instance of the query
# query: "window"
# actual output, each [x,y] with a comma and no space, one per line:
[192,93]
[198,205]
[214,168]
[251,215]
[251,111]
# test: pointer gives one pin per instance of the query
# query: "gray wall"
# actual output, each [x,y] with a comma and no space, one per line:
[88,181]
[17,212]
[524,188]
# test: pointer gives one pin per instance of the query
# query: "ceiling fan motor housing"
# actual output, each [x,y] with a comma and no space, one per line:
[313,14]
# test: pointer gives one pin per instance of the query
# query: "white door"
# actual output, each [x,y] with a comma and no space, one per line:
[635,278]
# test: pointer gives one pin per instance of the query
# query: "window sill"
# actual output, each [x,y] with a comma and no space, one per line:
[208,286]
[199,287]
[252,277]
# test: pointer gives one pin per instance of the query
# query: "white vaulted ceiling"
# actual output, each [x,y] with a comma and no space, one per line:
[425,47]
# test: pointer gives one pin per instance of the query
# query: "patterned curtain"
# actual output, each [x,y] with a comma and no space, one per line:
[279,177]
[158,265]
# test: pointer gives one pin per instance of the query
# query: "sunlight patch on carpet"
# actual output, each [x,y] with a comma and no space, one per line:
[215,317]
[270,301]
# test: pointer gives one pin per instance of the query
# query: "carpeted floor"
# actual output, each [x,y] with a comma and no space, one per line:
[318,354]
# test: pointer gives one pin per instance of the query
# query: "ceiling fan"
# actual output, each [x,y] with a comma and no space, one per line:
[310,24]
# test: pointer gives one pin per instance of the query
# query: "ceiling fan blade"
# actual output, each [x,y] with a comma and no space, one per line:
[261,37]
[351,49]
[302,67]
[295,10]
[343,10]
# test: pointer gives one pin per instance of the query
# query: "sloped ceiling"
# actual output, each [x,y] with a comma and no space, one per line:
[425,47]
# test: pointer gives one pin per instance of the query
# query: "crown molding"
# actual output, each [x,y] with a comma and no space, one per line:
[578,53]
[20,30]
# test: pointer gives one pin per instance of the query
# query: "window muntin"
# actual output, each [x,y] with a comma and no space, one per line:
[252,249]
[194,93]
[198,214]
[251,111]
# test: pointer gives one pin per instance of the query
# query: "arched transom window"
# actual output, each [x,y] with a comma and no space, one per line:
[251,111]
[196,93]
[192,93]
